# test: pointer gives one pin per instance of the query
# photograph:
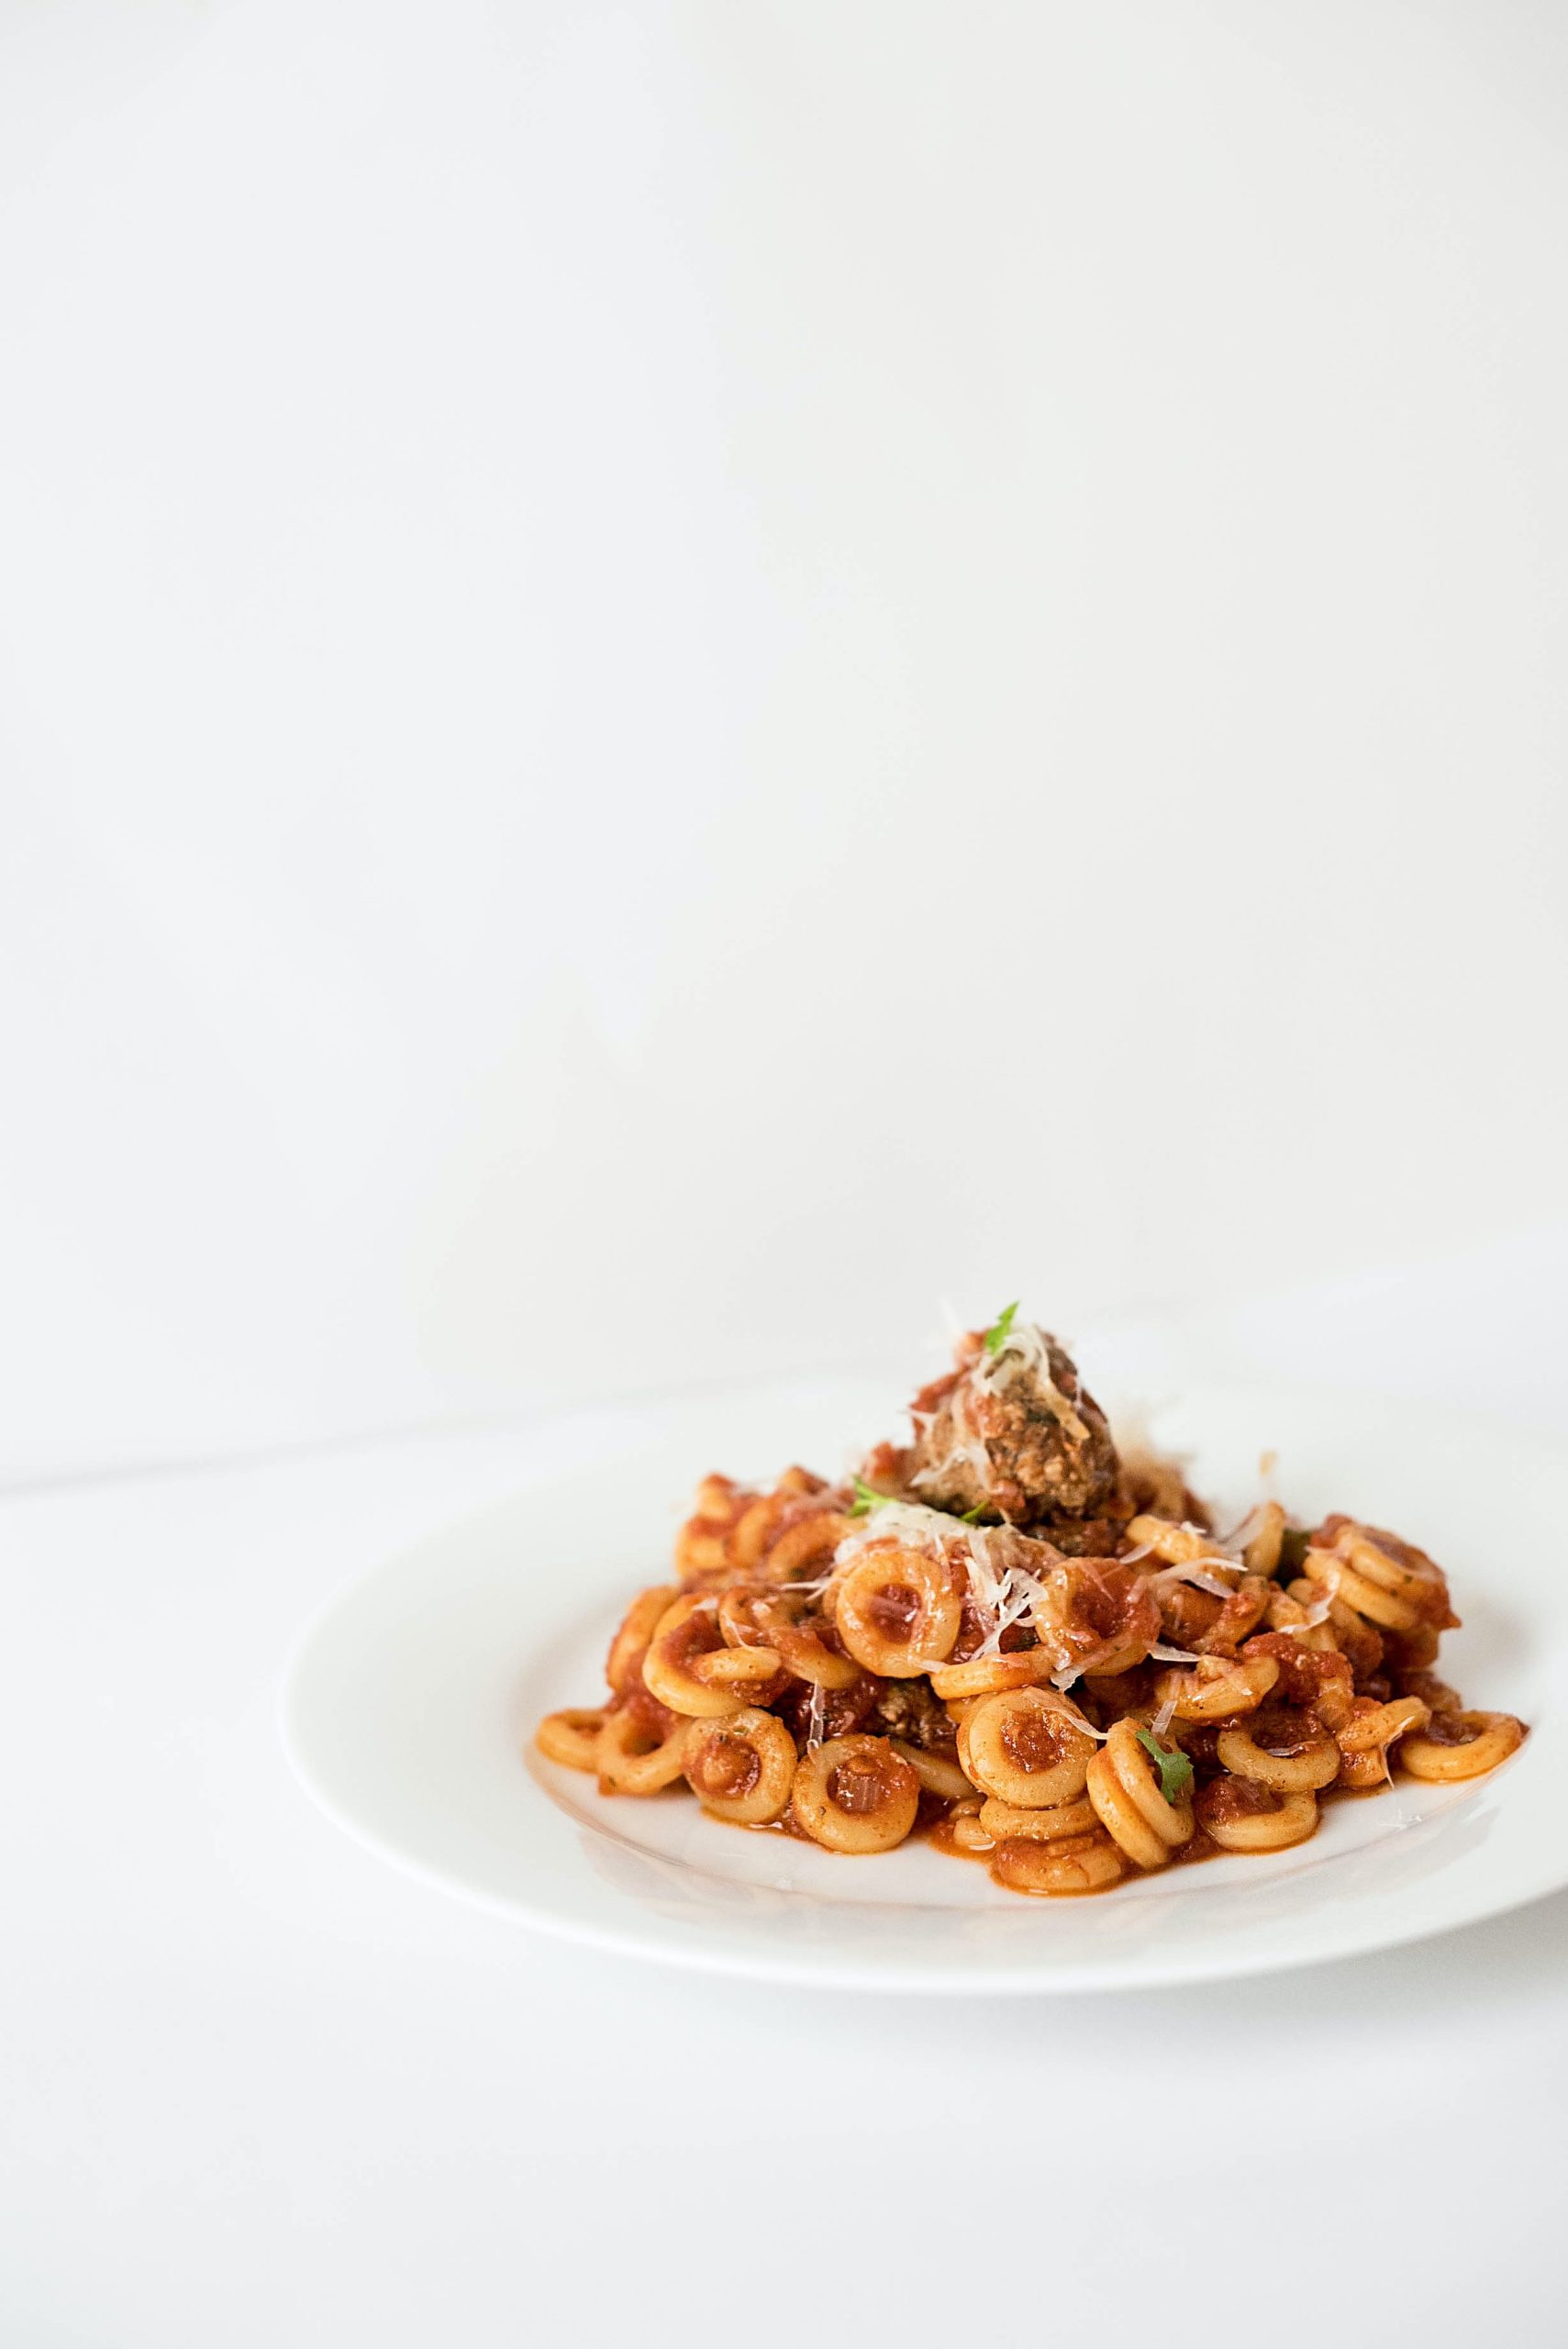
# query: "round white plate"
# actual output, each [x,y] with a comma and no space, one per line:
[409,1709]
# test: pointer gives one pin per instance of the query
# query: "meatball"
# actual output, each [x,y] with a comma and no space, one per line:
[1013,1432]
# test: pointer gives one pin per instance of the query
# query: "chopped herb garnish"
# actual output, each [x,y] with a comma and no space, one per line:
[1175,1770]
[973,1516]
[867,1499]
[996,1336]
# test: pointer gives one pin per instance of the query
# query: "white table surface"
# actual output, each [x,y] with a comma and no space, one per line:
[261,2089]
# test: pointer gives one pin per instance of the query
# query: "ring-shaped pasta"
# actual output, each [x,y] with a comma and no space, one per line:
[896,1611]
[1173,1544]
[1436,1754]
[854,1794]
[1313,1681]
[1216,1688]
[1414,1651]
[1241,1816]
[797,1481]
[1374,1728]
[1027,1746]
[702,1545]
[683,1632]
[623,1666]
[571,1737]
[1238,1615]
[1313,1760]
[1077,1864]
[800,1645]
[1124,1788]
[743,1669]
[1385,1607]
[632,1760]
[961,1832]
[998,1820]
[1398,1566]
[749,1537]
[1262,1550]
[809,1542]
[985,1675]
[1345,1632]
[743,1767]
[1096,1615]
[938,1773]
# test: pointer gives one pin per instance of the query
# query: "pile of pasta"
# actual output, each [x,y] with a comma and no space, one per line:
[851,1667]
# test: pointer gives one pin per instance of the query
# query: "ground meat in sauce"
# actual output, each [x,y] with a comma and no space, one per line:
[840,1712]
[1051,1456]
[1088,1537]
[1224,1799]
[909,1710]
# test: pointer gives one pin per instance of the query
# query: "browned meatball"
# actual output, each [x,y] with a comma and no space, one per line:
[1014,1432]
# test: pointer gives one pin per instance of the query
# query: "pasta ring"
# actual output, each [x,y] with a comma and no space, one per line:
[623,1666]
[959,1830]
[1496,1736]
[983,1675]
[1314,1763]
[571,1738]
[802,1649]
[807,1543]
[1366,1732]
[1232,1813]
[1022,1746]
[749,1537]
[1263,1551]
[1096,1615]
[937,1774]
[743,1767]
[740,1668]
[1381,1605]
[1124,1788]
[683,1633]
[854,1794]
[1175,1545]
[1000,1819]
[1217,1686]
[1077,1864]
[633,1761]
[879,1628]
[702,1545]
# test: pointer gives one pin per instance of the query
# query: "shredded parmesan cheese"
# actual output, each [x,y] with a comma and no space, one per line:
[1196,1571]
[1027,1348]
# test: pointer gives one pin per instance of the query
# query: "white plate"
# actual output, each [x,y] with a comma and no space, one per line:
[409,1709]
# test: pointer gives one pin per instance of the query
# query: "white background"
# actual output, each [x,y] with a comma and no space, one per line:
[681,677]
[678,678]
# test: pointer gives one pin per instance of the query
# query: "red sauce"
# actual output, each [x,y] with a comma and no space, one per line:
[1281,1729]
[860,1785]
[1224,1800]
[1448,1729]
[651,1720]
[894,1610]
[724,1767]
[1033,1739]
